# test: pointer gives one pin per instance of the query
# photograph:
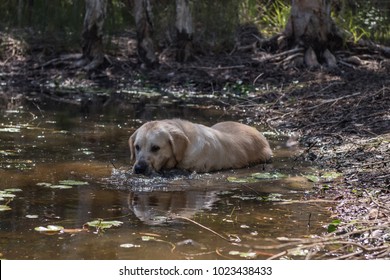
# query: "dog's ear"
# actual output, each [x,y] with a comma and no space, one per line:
[131,145]
[179,142]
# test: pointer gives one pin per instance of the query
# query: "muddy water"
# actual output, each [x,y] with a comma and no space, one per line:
[177,216]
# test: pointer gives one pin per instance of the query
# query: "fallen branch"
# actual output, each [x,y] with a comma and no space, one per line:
[306,201]
[334,100]
[204,227]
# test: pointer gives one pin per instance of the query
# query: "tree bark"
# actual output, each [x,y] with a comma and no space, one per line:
[184,31]
[144,25]
[20,12]
[310,26]
[92,36]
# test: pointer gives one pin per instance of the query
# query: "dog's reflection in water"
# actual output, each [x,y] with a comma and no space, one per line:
[162,207]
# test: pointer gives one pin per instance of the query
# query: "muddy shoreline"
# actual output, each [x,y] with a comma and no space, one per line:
[340,117]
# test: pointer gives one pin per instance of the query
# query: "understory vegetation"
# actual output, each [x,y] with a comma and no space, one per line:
[58,24]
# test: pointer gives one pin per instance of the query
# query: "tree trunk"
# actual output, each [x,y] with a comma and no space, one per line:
[144,25]
[184,30]
[20,12]
[92,36]
[310,26]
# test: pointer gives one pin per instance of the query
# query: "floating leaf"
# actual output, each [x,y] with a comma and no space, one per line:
[298,252]
[72,183]
[129,245]
[60,187]
[275,197]
[148,238]
[243,254]
[100,224]
[244,197]
[10,129]
[268,175]
[4,194]
[331,175]
[257,176]
[43,184]
[271,197]
[7,153]
[312,178]
[4,208]
[50,229]
[237,180]
[13,190]
[32,216]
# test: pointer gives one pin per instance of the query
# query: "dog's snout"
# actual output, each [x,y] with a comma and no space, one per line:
[141,167]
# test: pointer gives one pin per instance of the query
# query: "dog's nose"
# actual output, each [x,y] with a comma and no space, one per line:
[140,167]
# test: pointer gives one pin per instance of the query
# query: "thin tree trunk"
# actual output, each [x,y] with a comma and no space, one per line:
[310,26]
[184,30]
[20,12]
[92,36]
[144,25]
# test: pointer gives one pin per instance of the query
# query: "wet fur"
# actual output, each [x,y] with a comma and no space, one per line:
[195,147]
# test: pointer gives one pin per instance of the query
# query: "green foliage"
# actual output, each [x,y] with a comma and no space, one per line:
[364,19]
[333,225]
[101,225]
[58,24]
[270,16]
[275,16]
[239,88]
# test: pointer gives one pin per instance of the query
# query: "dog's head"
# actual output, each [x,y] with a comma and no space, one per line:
[157,145]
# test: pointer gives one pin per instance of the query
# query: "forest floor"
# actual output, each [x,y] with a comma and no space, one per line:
[340,117]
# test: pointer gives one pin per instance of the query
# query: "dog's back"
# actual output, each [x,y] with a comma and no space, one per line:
[223,146]
[253,145]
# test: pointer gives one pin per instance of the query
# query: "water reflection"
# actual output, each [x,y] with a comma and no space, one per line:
[157,208]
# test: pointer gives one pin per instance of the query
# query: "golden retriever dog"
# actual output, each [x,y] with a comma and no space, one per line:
[168,144]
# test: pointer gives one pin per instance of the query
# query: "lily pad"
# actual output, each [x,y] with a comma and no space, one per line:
[72,183]
[255,177]
[49,229]
[237,180]
[148,238]
[32,216]
[10,129]
[13,190]
[275,197]
[4,208]
[60,187]
[248,255]
[43,184]
[331,175]
[100,224]
[129,245]
[4,194]
[268,175]
[312,178]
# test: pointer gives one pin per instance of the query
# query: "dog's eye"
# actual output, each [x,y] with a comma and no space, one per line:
[137,148]
[155,148]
